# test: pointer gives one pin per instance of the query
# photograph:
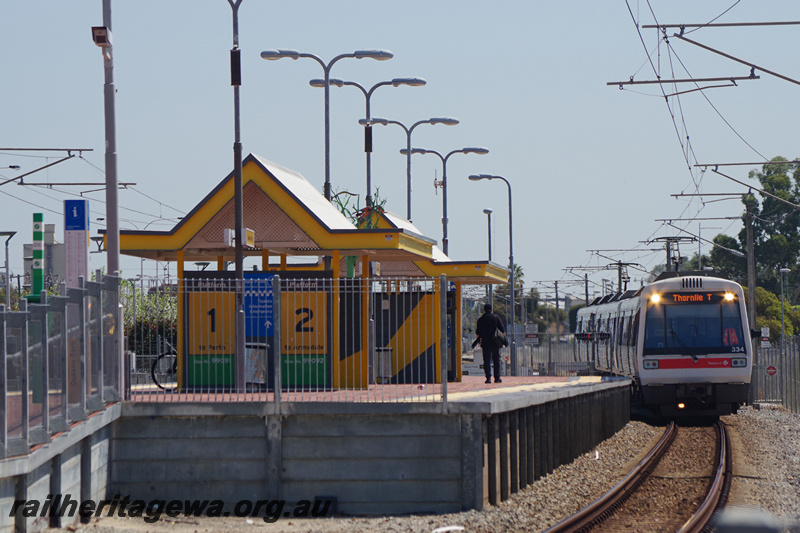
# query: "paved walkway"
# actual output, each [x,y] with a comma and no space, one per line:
[407,392]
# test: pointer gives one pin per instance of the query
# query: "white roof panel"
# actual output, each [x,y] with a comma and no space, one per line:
[308,195]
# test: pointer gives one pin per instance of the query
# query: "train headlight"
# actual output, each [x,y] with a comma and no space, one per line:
[738,362]
[681,406]
[729,296]
[655,298]
[651,364]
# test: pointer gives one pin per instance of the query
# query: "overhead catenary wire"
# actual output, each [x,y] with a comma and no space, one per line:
[734,252]
[687,149]
[765,193]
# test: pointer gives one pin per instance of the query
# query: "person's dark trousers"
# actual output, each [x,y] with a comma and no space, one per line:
[487,362]
[491,356]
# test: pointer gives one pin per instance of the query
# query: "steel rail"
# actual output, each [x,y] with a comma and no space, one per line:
[602,508]
[717,496]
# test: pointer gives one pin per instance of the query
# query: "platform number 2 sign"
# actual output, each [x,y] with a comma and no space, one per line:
[304,326]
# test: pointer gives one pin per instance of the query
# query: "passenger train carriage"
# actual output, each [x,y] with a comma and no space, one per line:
[684,340]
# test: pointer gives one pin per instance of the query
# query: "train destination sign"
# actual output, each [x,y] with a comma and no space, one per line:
[696,297]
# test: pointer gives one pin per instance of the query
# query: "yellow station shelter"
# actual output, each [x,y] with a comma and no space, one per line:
[288,217]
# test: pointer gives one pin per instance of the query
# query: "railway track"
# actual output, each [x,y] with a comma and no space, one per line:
[678,486]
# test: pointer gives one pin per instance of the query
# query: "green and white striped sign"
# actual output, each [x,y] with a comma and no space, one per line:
[37,266]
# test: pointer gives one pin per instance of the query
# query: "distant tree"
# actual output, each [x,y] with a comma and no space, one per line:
[503,296]
[727,264]
[776,225]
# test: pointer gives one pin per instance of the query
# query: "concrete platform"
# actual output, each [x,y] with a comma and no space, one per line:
[486,442]
[376,458]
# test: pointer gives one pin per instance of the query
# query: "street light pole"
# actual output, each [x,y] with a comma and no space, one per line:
[379,55]
[478,177]
[396,82]
[8,234]
[238,202]
[488,213]
[444,158]
[102,37]
[447,121]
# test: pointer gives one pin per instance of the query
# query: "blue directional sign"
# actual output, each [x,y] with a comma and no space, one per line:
[258,307]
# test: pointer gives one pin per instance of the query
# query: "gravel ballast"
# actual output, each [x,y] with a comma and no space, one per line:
[766,441]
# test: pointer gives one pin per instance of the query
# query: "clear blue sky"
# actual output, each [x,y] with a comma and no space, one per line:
[591,166]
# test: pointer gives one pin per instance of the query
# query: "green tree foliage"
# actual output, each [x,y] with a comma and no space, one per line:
[776,234]
[768,314]
[725,263]
[14,300]
[776,226]
[502,295]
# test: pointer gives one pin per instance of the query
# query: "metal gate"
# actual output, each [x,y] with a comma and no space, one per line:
[776,374]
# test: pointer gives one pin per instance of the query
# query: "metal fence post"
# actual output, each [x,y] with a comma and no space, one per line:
[443,338]
[3,385]
[64,355]
[24,382]
[101,344]
[80,297]
[276,341]
[44,310]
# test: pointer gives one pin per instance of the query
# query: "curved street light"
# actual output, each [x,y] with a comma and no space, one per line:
[478,177]
[378,55]
[447,121]
[444,158]
[396,82]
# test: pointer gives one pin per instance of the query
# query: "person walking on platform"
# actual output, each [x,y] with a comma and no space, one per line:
[487,331]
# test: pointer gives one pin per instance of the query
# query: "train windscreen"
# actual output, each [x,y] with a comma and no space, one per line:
[693,324]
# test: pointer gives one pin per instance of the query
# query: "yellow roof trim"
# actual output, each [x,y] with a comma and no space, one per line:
[165,244]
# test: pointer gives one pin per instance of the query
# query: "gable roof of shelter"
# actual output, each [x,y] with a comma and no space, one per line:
[471,272]
[287,214]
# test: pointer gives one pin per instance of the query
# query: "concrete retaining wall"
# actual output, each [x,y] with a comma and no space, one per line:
[373,458]
[73,464]
[374,464]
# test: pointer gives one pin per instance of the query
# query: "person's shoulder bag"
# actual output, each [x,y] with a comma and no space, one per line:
[499,338]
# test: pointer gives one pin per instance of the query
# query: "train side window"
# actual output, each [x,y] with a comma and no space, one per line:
[635,336]
[628,330]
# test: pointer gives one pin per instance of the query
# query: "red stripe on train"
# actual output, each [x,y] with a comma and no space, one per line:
[688,362]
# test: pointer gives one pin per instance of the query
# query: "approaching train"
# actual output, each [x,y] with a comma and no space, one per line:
[684,340]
